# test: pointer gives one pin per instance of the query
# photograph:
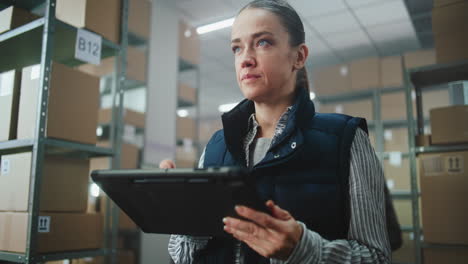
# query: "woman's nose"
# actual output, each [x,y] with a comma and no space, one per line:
[248,61]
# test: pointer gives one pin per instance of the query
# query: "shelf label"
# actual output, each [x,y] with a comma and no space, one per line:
[395,158]
[88,47]
[5,167]
[44,224]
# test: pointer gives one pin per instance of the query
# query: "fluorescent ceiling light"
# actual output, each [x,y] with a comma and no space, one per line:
[182,113]
[312,95]
[226,107]
[215,26]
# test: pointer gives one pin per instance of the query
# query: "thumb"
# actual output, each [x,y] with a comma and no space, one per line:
[277,212]
[167,164]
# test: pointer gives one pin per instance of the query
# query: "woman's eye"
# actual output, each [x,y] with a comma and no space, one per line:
[263,42]
[235,49]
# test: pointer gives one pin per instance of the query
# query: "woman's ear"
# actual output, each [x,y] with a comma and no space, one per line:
[302,53]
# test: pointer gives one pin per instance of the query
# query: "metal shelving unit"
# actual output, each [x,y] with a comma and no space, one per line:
[419,80]
[19,47]
[378,126]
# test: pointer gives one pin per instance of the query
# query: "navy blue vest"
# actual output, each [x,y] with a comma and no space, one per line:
[305,171]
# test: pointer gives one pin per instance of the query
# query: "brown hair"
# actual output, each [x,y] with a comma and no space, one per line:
[293,25]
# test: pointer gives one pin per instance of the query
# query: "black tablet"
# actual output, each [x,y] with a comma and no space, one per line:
[180,201]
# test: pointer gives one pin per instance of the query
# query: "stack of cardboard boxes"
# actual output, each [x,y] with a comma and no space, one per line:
[129,158]
[63,223]
[449,25]
[443,177]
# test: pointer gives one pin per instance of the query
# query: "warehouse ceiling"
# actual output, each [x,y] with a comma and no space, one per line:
[336,31]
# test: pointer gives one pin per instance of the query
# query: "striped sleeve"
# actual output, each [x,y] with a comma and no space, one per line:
[367,240]
[182,249]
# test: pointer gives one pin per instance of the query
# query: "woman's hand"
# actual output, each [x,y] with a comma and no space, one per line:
[272,236]
[167,164]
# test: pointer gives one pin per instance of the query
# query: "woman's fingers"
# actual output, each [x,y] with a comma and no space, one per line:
[167,164]
[259,218]
[277,212]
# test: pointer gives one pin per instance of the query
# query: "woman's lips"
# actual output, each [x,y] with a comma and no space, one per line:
[250,77]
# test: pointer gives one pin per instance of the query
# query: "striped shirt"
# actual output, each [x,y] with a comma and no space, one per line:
[367,239]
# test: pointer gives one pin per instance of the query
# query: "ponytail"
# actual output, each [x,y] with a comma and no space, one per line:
[302,81]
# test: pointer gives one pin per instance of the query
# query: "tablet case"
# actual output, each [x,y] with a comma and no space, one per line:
[180,201]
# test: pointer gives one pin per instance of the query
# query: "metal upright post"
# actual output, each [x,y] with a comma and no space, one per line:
[412,160]
[39,139]
[117,121]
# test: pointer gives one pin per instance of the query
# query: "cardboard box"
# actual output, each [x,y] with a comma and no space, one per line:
[392,71]
[136,66]
[451,47]
[444,199]
[129,157]
[445,255]
[101,17]
[420,58]
[139,12]
[187,94]
[450,24]
[332,80]
[434,99]
[125,222]
[423,140]
[397,174]
[64,185]
[439,3]
[406,254]
[362,108]
[365,74]
[13,17]
[130,117]
[57,232]
[9,103]
[449,125]
[396,140]
[73,104]
[189,43]
[450,19]
[186,128]
[393,106]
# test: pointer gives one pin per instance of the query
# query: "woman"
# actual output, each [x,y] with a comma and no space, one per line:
[319,173]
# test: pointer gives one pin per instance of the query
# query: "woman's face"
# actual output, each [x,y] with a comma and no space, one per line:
[265,62]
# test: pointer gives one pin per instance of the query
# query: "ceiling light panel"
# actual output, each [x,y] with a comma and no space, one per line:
[206,11]
[308,8]
[347,40]
[384,13]
[337,22]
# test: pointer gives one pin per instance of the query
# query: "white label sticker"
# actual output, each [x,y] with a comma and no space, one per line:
[44,224]
[88,47]
[35,72]
[390,184]
[129,133]
[339,109]
[5,167]
[395,159]
[388,135]
[454,164]
[344,70]
[6,83]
